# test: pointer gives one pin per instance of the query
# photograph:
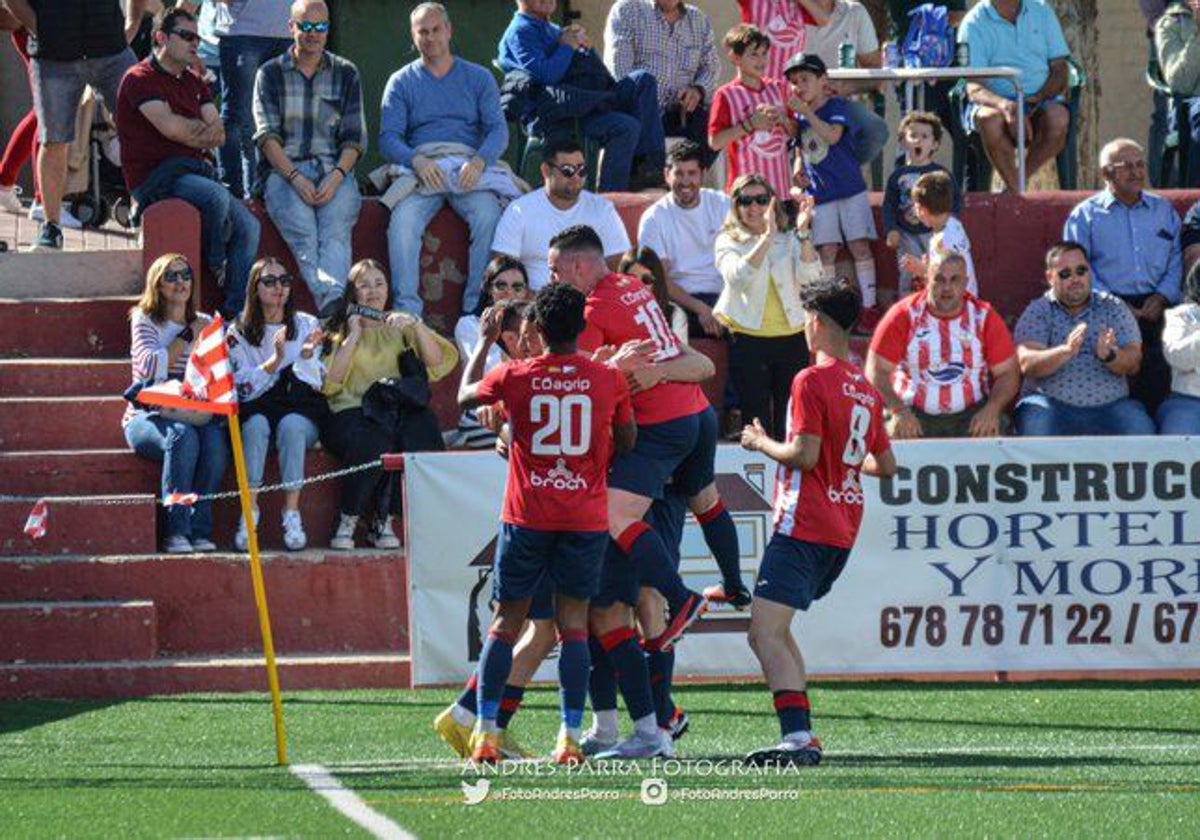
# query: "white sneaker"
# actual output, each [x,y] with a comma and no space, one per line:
[66,219]
[382,535]
[203,545]
[10,199]
[241,540]
[293,531]
[636,746]
[343,540]
[178,545]
[594,741]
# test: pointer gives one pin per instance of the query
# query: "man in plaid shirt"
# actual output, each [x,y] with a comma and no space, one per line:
[674,42]
[308,116]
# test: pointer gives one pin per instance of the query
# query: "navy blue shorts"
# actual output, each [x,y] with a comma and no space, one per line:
[570,559]
[542,605]
[618,579]
[681,450]
[796,573]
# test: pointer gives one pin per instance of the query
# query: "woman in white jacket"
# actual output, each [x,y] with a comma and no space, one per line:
[275,354]
[1179,413]
[764,266]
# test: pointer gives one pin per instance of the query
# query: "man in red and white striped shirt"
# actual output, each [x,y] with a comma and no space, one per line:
[943,359]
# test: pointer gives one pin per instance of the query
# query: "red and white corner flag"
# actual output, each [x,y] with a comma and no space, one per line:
[35,525]
[207,382]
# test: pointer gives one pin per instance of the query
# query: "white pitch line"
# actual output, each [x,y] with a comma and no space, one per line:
[348,803]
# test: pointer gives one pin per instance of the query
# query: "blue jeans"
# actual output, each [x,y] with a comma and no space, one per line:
[869,130]
[1040,416]
[479,209]
[294,435]
[194,459]
[319,237]
[1179,414]
[241,56]
[634,128]
[228,231]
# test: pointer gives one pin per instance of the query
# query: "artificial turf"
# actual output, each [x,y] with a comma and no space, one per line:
[1054,760]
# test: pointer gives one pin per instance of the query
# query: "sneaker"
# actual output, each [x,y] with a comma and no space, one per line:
[203,545]
[788,754]
[738,598]
[594,742]
[10,199]
[512,750]
[293,531]
[66,219]
[691,610]
[678,725]
[178,545]
[453,733]
[485,748]
[382,535]
[241,540]
[635,746]
[49,239]
[343,540]
[566,751]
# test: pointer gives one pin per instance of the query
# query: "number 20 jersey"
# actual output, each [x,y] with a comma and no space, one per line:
[834,401]
[561,410]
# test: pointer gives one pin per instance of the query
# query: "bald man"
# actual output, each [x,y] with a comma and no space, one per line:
[310,144]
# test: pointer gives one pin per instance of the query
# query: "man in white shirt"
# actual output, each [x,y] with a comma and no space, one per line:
[529,223]
[682,228]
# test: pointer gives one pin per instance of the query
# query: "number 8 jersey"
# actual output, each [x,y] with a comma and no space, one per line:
[835,402]
[561,411]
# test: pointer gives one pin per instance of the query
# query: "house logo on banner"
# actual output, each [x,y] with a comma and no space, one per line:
[746,496]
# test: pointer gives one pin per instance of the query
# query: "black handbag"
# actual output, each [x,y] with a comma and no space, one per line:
[289,395]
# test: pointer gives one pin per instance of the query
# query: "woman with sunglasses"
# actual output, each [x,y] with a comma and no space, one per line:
[645,264]
[275,354]
[764,266]
[365,348]
[192,448]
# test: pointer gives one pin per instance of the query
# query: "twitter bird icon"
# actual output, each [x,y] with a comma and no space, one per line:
[475,793]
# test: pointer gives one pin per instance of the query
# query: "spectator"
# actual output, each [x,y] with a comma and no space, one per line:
[765,267]
[1179,413]
[191,446]
[1177,47]
[275,353]
[166,122]
[441,119]
[943,359]
[308,115]
[72,45]
[674,42]
[625,121]
[1024,34]
[22,146]
[210,43]
[682,228]
[644,264]
[530,222]
[1152,10]
[363,351]
[933,200]
[785,23]
[250,33]
[827,169]
[749,114]
[1132,241]
[1076,345]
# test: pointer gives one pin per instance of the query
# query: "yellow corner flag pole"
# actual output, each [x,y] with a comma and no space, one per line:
[260,591]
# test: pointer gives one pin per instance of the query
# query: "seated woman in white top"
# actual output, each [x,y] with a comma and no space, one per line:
[275,354]
[1179,413]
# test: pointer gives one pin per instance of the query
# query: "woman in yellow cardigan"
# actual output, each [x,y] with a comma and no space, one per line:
[764,266]
[363,351]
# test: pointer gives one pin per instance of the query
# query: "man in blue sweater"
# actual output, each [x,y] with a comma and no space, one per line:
[627,125]
[429,104]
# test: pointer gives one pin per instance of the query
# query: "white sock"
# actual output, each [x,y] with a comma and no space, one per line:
[486,725]
[463,717]
[865,271]
[799,738]
[646,726]
[572,732]
[606,723]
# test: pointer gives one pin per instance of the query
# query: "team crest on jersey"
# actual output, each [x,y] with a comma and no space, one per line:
[815,149]
[769,143]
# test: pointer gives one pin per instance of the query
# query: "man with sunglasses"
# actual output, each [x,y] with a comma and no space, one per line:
[308,115]
[1076,345]
[168,127]
[72,44]
[1132,239]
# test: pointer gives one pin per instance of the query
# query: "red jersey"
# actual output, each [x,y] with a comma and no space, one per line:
[834,401]
[943,365]
[766,153]
[622,308]
[143,147]
[561,411]
[785,21]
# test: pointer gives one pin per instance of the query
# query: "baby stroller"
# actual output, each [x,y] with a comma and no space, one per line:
[104,197]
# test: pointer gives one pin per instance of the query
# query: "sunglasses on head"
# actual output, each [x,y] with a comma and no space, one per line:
[571,170]
[177,275]
[505,286]
[308,26]
[1078,271]
[746,200]
[189,37]
[271,280]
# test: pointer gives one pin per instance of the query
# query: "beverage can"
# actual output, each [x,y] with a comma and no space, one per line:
[891,55]
[847,57]
[962,54]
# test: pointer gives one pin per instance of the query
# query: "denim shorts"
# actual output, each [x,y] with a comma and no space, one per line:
[796,572]
[570,559]
[58,88]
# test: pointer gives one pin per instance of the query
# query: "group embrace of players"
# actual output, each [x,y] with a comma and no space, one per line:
[610,442]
